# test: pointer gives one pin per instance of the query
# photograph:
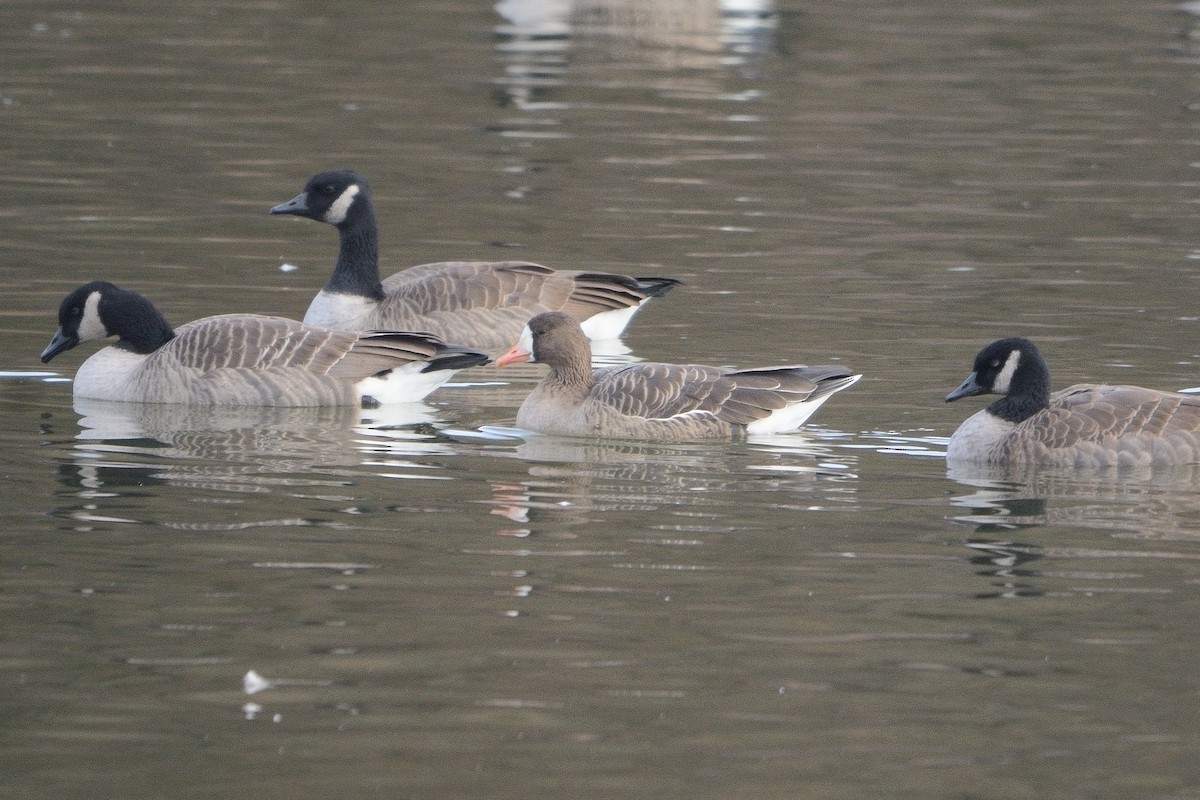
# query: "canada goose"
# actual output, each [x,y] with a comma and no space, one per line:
[242,359]
[482,304]
[664,402]
[1082,426]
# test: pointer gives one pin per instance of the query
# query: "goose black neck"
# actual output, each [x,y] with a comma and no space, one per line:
[1030,393]
[140,327]
[357,269]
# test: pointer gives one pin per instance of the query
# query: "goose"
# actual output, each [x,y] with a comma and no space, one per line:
[482,304]
[242,359]
[661,402]
[1081,426]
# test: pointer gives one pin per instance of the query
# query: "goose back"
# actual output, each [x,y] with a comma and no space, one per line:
[487,303]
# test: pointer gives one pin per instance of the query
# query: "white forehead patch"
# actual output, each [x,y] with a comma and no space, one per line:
[1004,379]
[336,214]
[90,325]
[525,342]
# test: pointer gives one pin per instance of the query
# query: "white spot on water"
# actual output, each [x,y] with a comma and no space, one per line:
[253,683]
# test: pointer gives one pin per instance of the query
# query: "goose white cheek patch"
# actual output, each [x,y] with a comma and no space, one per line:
[337,212]
[90,326]
[1004,379]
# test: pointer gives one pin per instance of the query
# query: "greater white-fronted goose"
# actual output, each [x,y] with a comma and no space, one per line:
[1081,426]
[482,304]
[243,359]
[662,402]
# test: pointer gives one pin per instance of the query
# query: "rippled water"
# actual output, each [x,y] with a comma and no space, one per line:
[419,602]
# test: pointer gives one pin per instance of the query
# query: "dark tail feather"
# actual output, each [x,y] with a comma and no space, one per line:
[453,356]
[657,287]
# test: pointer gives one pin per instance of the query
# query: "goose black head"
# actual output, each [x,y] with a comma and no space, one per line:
[336,197]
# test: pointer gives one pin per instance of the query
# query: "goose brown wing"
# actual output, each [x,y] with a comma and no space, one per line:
[248,341]
[468,285]
[595,292]
[659,391]
[484,303]
[489,302]
[758,393]
[1087,413]
[458,286]
[738,397]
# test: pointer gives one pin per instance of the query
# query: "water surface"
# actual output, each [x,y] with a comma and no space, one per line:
[442,608]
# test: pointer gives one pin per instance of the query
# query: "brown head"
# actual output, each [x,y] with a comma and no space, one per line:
[553,339]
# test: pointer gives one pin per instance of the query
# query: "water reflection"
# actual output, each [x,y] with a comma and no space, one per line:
[246,449]
[1148,503]
[541,38]
[1004,563]
[1189,39]
[572,481]
[915,163]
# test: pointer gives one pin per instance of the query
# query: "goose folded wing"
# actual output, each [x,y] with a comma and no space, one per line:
[597,291]
[258,342]
[463,286]
[661,391]
[1097,413]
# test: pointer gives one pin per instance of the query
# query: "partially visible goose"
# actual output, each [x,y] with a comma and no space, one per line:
[482,304]
[663,402]
[1083,425]
[242,359]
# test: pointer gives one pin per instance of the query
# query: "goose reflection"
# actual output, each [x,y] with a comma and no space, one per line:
[245,449]
[1006,564]
[540,38]
[1156,505]
[1148,503]
[572,480]
[1189,37]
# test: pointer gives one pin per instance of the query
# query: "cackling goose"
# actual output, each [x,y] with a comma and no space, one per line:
[1082,426]
[243,359]
[482,304]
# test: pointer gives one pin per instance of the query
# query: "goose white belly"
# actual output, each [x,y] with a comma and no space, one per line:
[978,436]
[108,374]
